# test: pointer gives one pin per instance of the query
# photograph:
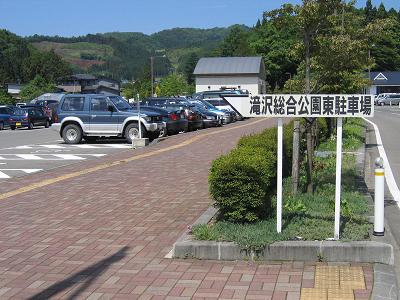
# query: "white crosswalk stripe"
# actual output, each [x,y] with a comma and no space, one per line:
[29,156]
[4,173]
[68,156]
[81,146]
[42,157]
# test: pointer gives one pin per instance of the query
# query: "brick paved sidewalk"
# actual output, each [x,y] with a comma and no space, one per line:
[104,235]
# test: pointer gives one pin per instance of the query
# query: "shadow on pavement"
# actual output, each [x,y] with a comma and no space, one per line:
[88,275]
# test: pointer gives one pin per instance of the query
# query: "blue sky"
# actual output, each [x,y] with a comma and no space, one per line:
[79,17]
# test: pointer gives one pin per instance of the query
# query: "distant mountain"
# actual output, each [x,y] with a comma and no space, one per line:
[122,55]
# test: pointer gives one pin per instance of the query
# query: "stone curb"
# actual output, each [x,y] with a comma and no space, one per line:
[385,283]
[332,251]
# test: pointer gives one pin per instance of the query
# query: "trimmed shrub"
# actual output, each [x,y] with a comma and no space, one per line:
[241,183]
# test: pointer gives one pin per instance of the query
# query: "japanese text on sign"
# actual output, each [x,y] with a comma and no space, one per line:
[304,105]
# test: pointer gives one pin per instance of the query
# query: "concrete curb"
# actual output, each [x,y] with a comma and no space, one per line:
[332,251]
[385,283]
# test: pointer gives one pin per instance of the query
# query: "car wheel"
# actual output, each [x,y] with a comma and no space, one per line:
[1,126]
[72,134]
[132,132]
[162,133]
[30,125]
[47,125]
[12,127]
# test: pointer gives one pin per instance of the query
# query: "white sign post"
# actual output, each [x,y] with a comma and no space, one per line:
[308,106]
[339,131]
[279,177]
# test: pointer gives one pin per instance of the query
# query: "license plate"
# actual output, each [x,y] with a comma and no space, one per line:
[18,124]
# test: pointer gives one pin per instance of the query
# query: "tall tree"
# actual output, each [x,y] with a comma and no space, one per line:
[36,87]
[382,13]
[370,13]
[275,41]
[236,43]
[189,67]
[174,85]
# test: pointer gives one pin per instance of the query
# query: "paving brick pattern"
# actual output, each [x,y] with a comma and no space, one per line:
[104,235]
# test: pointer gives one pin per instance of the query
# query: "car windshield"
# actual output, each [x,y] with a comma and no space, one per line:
[19,112]
[120,103]
[208,104]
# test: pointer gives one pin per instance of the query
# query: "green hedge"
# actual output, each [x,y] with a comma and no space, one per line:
[243,182]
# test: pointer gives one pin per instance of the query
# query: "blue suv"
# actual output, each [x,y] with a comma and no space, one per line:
[5,113]
[90,116]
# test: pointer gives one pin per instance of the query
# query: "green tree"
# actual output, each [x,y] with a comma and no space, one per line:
[13,52]
[174,85]
[381,13]
[369,11]
[5,98]
[236,43]
[275,41]
[46,64]
[37,87]
[189,67]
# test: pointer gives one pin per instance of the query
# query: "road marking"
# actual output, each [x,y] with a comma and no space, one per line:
[117,146]
[28,156]
[52,146]
[69,156]
[393,188]
[81,146]
[27,171]
[99,167]
[42,157]
[4,175]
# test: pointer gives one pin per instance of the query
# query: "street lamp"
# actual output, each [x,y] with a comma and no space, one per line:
[152,69]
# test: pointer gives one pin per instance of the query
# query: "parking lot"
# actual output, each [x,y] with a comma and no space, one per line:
[24,152]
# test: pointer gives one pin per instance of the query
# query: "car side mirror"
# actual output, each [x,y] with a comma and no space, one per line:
[111,108]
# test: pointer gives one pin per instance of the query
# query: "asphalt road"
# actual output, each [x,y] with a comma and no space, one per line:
[24,151]
[388,121]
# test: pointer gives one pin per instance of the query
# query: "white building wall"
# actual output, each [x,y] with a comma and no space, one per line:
[252,83]
[373,90]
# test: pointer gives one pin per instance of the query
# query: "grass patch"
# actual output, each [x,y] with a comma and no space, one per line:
[353,136]
[306,216]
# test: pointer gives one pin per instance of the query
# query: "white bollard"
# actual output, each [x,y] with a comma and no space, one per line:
[379,214]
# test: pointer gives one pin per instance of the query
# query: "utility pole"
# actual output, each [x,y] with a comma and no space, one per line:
[152,74]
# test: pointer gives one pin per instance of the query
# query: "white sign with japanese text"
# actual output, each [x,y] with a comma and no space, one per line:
[311,106]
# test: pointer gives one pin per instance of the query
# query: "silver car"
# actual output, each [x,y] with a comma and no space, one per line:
[391,99]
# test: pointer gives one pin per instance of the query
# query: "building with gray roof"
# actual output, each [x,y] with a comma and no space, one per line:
[214,73]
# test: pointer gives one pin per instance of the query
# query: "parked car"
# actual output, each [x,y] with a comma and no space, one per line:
[225,116]
[216,98]
[18,118]
[223,105]
[174,119]
[388,99]
[194,118]
[49,106]
[5,114]
[219,93]
[210,119]
[90,116]
[29,116]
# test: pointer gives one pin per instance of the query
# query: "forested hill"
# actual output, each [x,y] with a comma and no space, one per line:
[122,55]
